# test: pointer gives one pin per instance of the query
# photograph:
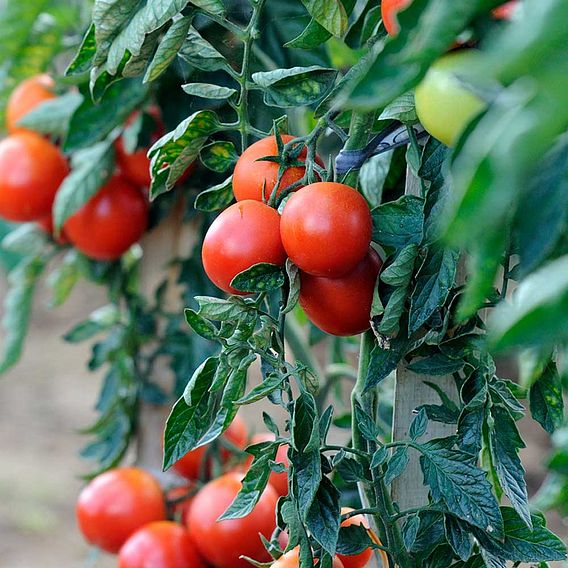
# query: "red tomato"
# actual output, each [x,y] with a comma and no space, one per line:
[31,171]
[361,559]
[292,560]
[341,306]
[116,504]
[222,543]
[162,544]
[326,228]
[246,233]
[389,11]
[25,97]
[251,176]
[278,480]
[191,465]
[110,222]
[506,11]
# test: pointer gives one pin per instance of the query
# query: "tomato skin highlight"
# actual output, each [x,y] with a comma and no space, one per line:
[221,543]
[278,480]
[326,228]
[161,544]
[110,222]
[191,465]
[389,11]
[443,105]
[341,306]
[251,176]
[31,171]
[246,233]
[28,95]
[117,503]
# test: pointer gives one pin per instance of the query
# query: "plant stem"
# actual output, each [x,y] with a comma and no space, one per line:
[359,132]
[250,34]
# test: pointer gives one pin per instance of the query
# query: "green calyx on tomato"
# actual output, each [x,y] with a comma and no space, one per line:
[443,105]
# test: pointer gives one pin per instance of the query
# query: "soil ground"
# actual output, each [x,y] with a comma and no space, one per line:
[44,401]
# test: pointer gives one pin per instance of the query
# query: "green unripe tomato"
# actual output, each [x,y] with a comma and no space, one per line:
[444,106]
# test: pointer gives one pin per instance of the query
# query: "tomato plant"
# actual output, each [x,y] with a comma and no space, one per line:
[435,231]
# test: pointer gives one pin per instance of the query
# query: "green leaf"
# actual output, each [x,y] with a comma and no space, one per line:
[373,176]
[84,57]
[219,156]
[537,315]
[384,361]
[172,154]
[419,425]
[189,417]
[208,91]
[53,116]
[433,284]
[200,325]
[293,274]
[398,224]
[63,279]
[401,109]
[521,543]
[254,482]
[546,401]
[399,273]
[542,215]
[455,480]
[504,445]
[330,14]
[437,364]
[167,49]
[200,53]
[458,536]
[323,518]
[367,426]
[262,390]
[93,122]
[17,308]
[261,277]
[212,6]
[216,197]
[25,239]
[410,531]
[298,86]
[396,464]
[219,309]
[390,320]
[353,539]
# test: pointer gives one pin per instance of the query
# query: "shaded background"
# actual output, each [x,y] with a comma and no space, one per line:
[44,401]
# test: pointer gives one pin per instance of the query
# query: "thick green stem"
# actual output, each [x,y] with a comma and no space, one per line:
[250,35]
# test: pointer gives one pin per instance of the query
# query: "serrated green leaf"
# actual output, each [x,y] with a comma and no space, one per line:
[200,53]
[261,277]
[398,224]
[268,385]
[219,156]
[546,401]
[402,109]
[437,364]
[397,464]
[298,86]
[323,517]
[208,91]
[91,169]
[217,197]
[330,14]
[399,273]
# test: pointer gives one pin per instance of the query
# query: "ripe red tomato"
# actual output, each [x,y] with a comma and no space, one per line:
[341,306]
[31,171]
[326,228]
[389,11]
[110,222]
[292,560]
[162,544]
[191,465]
[278,480]
[361,559]
[25,97]
[443,105]
[251,176]
[116,504]
[506,11]
[246,233]
[222,543]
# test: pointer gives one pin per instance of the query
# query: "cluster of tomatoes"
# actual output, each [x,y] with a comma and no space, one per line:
[325,230]
[125,511]
[32,169]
